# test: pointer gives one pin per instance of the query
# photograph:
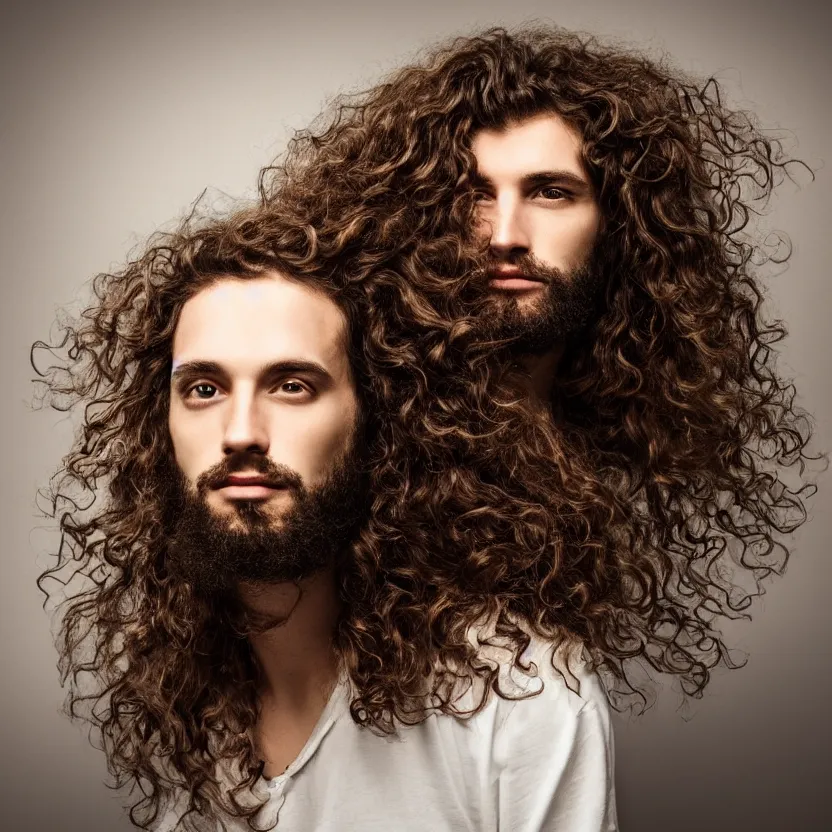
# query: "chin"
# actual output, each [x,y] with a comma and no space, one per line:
[529,303]
[246,512]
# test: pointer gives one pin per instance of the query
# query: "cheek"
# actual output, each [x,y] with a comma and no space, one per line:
[483,226]
[567,242]
[189,441]
[319,440]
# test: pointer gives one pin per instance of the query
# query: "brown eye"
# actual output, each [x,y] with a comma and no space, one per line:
[553,193]
[294,389]
[203,391]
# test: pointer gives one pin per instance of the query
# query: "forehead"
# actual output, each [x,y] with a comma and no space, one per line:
[541,143]
[244,322]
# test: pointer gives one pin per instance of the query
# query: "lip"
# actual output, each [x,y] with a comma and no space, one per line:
[255,491]
[248,487]
[513,280]
[247,479]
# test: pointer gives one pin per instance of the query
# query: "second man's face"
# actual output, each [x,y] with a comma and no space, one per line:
[537,207]
[535,197]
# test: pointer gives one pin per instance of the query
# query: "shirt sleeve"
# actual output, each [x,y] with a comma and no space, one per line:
[555,763]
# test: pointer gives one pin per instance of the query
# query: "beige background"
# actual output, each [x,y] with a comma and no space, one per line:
[116,115]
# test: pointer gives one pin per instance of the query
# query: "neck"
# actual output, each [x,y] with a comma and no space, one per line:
[297,658]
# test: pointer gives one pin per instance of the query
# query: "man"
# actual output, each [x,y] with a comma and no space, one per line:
[603,199]
[288,613]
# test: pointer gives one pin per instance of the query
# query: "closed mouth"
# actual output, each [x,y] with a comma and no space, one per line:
[512,274]
[243,480]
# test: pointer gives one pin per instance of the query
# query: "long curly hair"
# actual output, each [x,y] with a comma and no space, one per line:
[161,670]
[677,440]
[626,523]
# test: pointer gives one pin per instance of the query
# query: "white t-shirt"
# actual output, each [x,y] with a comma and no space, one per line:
[543,764]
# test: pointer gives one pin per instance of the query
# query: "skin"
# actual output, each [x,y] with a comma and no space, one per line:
[260,366]
[233,388]
[535,198]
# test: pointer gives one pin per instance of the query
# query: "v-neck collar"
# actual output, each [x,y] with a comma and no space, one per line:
[332,710]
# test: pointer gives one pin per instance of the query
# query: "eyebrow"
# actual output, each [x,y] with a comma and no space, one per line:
[543,177]
[191,369]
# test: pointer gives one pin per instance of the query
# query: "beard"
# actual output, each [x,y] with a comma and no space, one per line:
[564,306]
[253,543]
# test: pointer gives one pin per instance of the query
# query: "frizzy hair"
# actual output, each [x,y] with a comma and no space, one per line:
[161,671]
[625,522]
[675,431]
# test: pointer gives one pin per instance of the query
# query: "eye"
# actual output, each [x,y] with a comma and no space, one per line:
[550,192]
[293,387]
[202,391]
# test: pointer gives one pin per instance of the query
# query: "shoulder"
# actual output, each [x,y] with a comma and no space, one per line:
[555,694]
[552,754]
[556,675]
[551,699]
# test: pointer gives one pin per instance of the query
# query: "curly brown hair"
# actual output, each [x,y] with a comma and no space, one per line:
[624,523]
[160,668]
[675,431]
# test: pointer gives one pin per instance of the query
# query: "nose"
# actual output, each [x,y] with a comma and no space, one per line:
[509,235]
[245,429]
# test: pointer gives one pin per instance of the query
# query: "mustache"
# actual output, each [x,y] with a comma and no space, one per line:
[278,476]
[527,263]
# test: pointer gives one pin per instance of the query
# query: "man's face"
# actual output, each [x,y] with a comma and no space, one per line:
[263,412]
[537,206]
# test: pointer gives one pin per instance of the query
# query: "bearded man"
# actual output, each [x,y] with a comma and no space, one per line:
[287,563]
[603,200]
